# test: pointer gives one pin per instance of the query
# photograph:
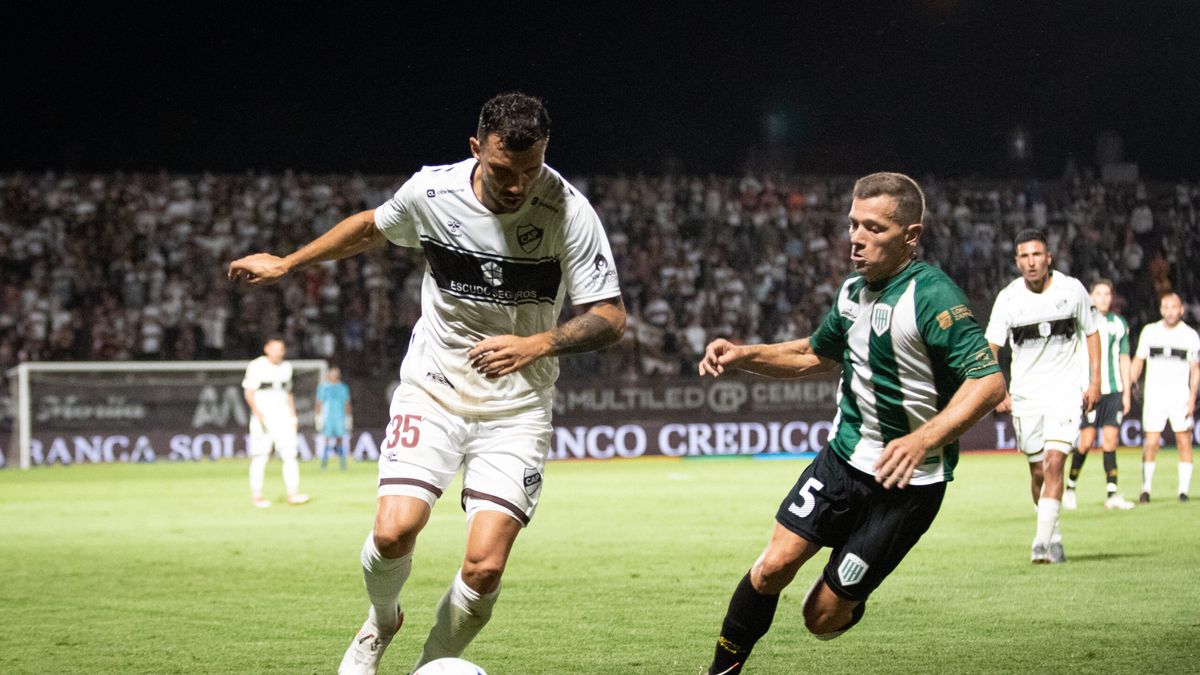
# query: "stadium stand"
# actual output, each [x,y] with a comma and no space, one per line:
[132,266]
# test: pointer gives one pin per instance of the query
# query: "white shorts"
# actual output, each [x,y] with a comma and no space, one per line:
[1038,433]
[280,432]
[502,458]
[1158,410]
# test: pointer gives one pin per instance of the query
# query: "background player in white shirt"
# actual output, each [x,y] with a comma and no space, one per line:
[505,238]
[1170,351]
[268,389]
[1114,398]
[1045,315]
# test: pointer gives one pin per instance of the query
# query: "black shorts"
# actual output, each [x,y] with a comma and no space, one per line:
[1108,412]
[870,529]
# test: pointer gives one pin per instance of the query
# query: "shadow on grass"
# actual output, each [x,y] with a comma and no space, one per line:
[1089,557]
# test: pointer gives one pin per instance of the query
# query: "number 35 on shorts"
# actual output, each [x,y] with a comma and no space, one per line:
[807,501]
[403,431]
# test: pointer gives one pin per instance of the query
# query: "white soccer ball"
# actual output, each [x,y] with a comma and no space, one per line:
[450,666]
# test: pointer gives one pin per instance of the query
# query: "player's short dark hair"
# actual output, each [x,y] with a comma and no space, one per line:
[1102,281]
[1031,234]
[910,201]
[519,120]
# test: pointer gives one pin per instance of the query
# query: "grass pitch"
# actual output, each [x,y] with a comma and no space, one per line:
[627,568]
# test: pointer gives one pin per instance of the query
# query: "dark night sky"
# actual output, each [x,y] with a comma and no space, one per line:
[925,86]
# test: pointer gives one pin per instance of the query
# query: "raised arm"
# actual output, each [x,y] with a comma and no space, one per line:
[780,360]
[969,404]
[352,236]
[601,324]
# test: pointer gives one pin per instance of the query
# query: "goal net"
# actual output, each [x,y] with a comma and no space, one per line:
[67,413]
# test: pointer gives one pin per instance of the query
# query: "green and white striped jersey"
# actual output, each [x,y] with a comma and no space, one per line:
[906,345]
[1114,341]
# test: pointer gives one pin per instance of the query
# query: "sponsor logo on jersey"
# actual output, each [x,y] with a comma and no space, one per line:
[541,204]
[944,320]
[533,481]
[529,237]
[431,193]
[881,318]
[455,228]
[492,273]
[441,379]
[852,569]
[603,270]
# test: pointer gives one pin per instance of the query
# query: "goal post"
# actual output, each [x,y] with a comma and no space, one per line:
[104,411]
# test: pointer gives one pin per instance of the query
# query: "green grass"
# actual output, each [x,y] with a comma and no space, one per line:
[627,568]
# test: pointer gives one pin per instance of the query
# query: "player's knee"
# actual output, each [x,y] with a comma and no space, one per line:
[482,573]
[394,539]
[775,570]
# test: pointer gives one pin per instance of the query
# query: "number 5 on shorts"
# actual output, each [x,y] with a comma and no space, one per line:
[405,430]
[808,501]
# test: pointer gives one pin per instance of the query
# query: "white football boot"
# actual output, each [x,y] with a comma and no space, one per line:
[366,649]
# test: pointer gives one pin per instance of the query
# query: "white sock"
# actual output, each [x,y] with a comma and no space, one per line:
[291,475]
[1047,518]
[461,614]
[1185,477]
[1055,535]
[384,577]
[258,469]
[1147,476]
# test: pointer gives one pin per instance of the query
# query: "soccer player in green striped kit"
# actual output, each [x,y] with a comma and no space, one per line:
[917,372]
[1114,399]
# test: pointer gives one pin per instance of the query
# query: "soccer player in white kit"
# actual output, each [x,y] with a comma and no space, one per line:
[268,389]
[1170,351]
[1045,315]
[505,238]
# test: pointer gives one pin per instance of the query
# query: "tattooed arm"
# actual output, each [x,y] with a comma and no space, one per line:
[600,325]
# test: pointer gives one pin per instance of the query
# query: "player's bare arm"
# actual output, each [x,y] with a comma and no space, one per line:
[352,236]
[1194,382]
[974,399]
[1135,371]
[790,359]
[1091,396]
[249,393]
[1005,405]
[1126,385]
[601,324]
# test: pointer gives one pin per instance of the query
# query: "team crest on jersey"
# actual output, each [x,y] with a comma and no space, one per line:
[881,318]
[492,273]
[529,237]
[1044,329]
[533,481]
[852,569]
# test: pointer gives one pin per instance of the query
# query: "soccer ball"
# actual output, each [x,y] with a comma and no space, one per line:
[450,666]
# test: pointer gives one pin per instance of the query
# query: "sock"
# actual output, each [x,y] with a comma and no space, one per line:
[748,618]
[1110,471]
[291,475]
[1047,518]
[342,456]
[1077,461]
[1147,476]
[384,577]
[461,614]
[258,469]
[1055,535]
[1185,477]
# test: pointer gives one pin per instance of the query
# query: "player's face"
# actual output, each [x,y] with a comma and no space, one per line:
[504,176]
[1171,309]
[275,351]
[1102,298]
[878,244]
[334,375]
[1033,261]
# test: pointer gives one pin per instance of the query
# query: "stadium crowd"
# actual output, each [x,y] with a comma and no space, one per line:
[132,266]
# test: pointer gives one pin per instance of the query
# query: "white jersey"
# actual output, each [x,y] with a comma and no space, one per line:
[1169,353]
[493,274]
[1047,332]
[271,384]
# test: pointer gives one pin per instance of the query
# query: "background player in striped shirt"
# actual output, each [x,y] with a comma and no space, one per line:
[1114,399]
[916,374]
[1045,315]
[1170,351]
